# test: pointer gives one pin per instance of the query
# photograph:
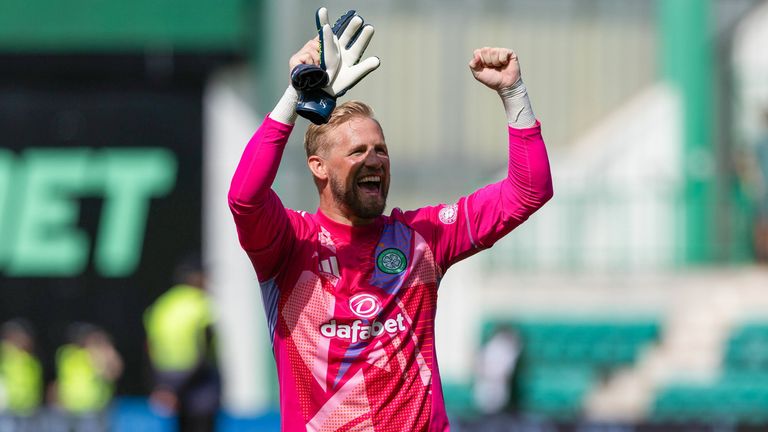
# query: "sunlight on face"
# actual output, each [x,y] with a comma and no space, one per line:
[358,171]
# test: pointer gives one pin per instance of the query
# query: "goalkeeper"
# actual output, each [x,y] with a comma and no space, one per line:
[349,293]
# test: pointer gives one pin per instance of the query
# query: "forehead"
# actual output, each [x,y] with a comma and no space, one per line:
[358,131]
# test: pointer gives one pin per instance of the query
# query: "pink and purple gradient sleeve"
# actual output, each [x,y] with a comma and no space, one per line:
[480,219]
[263,223]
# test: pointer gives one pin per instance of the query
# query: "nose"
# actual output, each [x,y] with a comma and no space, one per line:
[373,160]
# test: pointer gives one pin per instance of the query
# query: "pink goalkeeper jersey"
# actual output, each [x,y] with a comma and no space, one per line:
[351,310]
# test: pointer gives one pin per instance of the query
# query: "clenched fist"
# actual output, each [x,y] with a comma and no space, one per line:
[497,68]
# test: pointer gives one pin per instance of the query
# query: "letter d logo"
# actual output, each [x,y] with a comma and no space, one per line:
[365,305]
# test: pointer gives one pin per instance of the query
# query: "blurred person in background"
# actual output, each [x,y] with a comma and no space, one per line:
[87,369]
[495,388]
[179,327]
[350,294]
[761,217]
[21,377]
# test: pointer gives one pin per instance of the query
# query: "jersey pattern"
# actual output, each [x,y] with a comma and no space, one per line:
[354,335]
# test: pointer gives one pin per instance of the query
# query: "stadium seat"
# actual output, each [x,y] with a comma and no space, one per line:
[740,394]
[748,347]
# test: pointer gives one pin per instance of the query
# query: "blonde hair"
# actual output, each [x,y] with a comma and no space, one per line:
[315,140]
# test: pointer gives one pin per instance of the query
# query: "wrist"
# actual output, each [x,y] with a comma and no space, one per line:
[514,90]
[285,110]
[517,105]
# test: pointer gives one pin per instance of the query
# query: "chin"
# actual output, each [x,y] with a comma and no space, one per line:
[371,210]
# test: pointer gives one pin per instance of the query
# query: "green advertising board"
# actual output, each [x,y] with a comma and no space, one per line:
[112,25]
[100,199]
[39,208]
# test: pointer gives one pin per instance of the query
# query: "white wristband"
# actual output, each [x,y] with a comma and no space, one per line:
[517,106]
[285,110]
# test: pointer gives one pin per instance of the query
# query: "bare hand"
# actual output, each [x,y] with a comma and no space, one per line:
[497,68]
[308,54]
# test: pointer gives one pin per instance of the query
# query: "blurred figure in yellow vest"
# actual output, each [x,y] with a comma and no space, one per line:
[86,371]
[21,377]
[181,350]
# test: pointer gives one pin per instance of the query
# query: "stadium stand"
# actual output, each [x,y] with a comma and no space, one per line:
[563,359]
[738,394]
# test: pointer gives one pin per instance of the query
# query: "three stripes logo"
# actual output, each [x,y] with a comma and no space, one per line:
[330,266]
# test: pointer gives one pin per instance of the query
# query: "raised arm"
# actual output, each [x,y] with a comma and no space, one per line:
[501,207]
[263,224]
[480,219]
[258,166]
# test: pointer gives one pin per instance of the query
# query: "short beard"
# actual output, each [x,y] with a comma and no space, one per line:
[348,198]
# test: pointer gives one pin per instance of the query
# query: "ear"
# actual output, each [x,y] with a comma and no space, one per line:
[317,166]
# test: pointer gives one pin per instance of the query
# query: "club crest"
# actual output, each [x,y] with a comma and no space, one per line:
[391,261]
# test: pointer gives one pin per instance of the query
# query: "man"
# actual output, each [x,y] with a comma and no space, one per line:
[21,377]
[349,293]
[495,371]
[181,349]
[87,370]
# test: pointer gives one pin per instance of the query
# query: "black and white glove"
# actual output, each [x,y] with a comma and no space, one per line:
[341,48]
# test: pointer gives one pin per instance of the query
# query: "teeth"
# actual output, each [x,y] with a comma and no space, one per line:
[370,179]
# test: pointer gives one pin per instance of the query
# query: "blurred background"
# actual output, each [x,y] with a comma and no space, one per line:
[637,299]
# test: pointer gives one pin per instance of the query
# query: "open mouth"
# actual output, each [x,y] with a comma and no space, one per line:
[370,184]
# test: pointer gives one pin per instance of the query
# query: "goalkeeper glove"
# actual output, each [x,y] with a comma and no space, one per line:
[341,47]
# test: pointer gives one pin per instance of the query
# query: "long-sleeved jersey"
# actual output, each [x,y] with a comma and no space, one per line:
[351,309]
